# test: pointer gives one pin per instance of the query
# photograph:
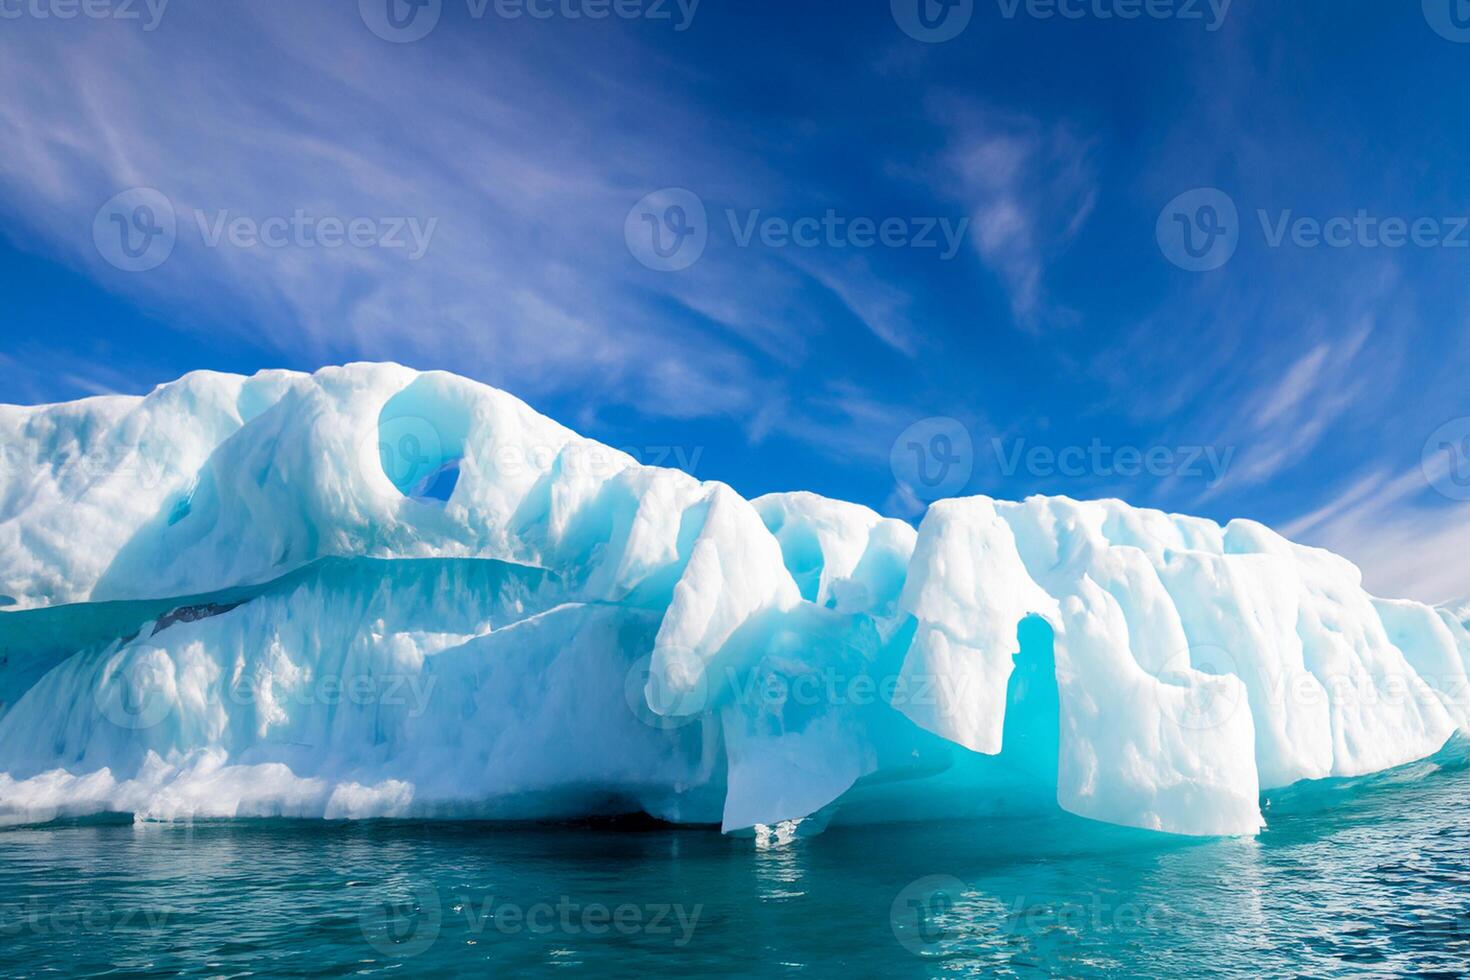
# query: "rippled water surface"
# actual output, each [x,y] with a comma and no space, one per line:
[1364,878]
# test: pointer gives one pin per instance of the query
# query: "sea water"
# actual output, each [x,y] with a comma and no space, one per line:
[1351,878]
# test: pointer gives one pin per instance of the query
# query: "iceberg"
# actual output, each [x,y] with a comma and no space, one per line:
[374,592]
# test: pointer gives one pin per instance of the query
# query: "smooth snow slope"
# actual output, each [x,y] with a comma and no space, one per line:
[371,591]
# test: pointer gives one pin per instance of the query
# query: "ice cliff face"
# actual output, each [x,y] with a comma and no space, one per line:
[370,591]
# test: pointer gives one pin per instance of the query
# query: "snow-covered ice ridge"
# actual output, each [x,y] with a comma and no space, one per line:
[375,592]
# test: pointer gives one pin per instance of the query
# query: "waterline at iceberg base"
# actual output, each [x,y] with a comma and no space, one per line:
[371,592]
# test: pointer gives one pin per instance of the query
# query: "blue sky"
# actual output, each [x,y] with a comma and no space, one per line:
[1032,282]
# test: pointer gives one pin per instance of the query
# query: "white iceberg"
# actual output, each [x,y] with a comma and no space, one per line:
[375,592]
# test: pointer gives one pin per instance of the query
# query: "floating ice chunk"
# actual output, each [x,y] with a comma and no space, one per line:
[374,592]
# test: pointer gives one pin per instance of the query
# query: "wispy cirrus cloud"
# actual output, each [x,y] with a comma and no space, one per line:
[1030,187]
[1285,417]
[518,152]
[1408,541]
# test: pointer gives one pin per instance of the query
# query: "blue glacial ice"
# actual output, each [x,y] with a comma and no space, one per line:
[371,592]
